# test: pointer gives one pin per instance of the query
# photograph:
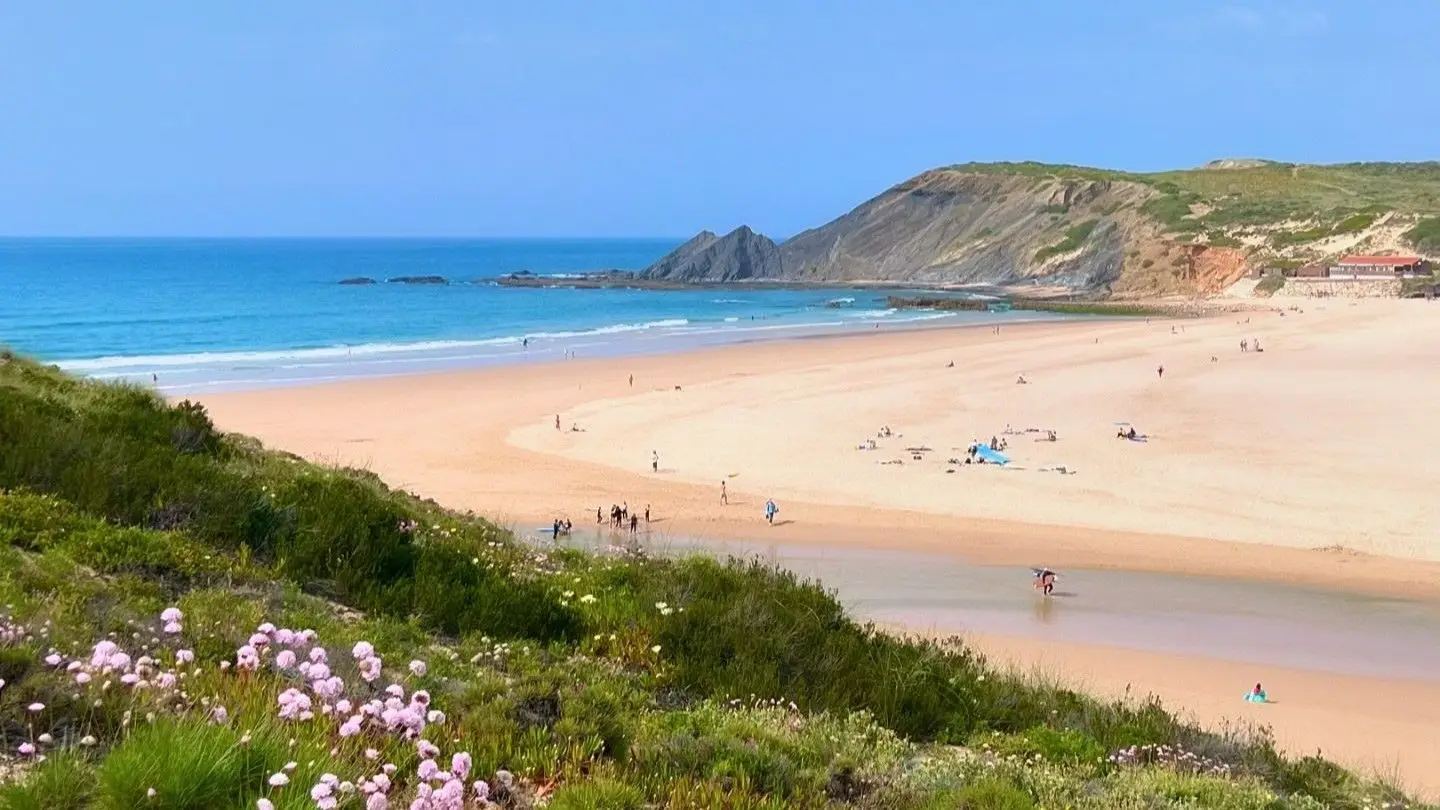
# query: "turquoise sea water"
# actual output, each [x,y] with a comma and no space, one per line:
[204,315]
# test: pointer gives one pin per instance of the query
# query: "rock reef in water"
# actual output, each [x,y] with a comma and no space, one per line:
[418,280]
[358,280]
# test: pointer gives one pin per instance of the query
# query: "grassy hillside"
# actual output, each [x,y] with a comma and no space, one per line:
[191,621]
[1274,212]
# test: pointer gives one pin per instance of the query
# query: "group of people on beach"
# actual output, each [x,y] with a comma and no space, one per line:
[620,516]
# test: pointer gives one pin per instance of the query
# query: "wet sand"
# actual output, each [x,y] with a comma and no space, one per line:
[1356,677]
[1309,464]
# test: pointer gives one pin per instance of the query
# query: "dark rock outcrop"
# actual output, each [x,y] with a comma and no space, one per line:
[741,255]
[418,280]
[947,226]
[358,280]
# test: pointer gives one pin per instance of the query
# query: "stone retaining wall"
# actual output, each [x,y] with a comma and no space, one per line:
[1330,288]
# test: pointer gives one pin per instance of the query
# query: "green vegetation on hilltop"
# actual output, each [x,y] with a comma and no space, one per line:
[159,579]
[1342,198]
[1425,235]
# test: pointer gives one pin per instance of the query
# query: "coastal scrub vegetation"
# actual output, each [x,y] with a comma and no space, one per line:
[1425,235]
[1344,198]
[1075,236]
[189,620]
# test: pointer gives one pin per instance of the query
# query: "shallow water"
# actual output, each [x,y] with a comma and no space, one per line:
[1252,622]
[204,315]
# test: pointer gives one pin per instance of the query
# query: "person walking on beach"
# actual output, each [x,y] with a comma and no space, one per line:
[647,514]
[599,516]
[634,524]
[724,495]
[654,461]
[632,380]
[1160,372]
[557,421]
[770,510]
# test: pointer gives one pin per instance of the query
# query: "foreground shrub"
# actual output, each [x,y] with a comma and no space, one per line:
[189,765]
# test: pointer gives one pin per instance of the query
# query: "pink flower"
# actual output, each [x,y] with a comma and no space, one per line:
[118,660]
[172,628]
[377,801]
[184,657]
[82,678]
[460,765]
[53,659]
[247,657]
[427,749]
[372,754]
[264,804]
[318,672]
[395,690]
[436,716]
[482,790]
[285,660]
[418,668]
[279,779]
[284,637]
[27,750]
[220,715]
[265,627]
[363,650]
[420,698]
[171,614]
[259,640]
[318,656]
[36,707]
[320,791]
[351,727]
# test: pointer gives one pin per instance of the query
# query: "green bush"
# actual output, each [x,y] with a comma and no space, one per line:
[597,796]
[992,794]
[190,766]
[1425,235]
[1075,236]
[1270,284]
[63,781]
[1355,223]
[1288,238]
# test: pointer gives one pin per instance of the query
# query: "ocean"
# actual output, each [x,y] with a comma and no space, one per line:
[196,315]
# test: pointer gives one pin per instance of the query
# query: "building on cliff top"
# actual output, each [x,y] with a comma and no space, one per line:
[1375,267]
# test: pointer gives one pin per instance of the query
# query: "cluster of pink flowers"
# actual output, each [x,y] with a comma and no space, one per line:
[318,696]
[106,665]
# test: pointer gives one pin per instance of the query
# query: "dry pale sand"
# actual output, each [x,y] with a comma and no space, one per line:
[1312,462]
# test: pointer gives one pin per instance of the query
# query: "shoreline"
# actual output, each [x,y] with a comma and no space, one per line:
[783,416]
[536,389]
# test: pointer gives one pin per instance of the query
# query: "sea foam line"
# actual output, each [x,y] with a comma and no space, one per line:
[320,354]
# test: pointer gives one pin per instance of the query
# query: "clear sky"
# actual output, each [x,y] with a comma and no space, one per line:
[616,118]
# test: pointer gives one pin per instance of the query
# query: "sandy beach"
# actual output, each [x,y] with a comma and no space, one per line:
[1310,462]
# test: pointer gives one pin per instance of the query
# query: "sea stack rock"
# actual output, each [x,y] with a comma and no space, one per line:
[740,255]
[358,280]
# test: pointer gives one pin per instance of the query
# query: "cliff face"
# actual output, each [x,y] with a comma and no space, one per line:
[1175,232]
[944,226]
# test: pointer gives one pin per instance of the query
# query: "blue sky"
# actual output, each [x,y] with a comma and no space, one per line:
[618,118]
